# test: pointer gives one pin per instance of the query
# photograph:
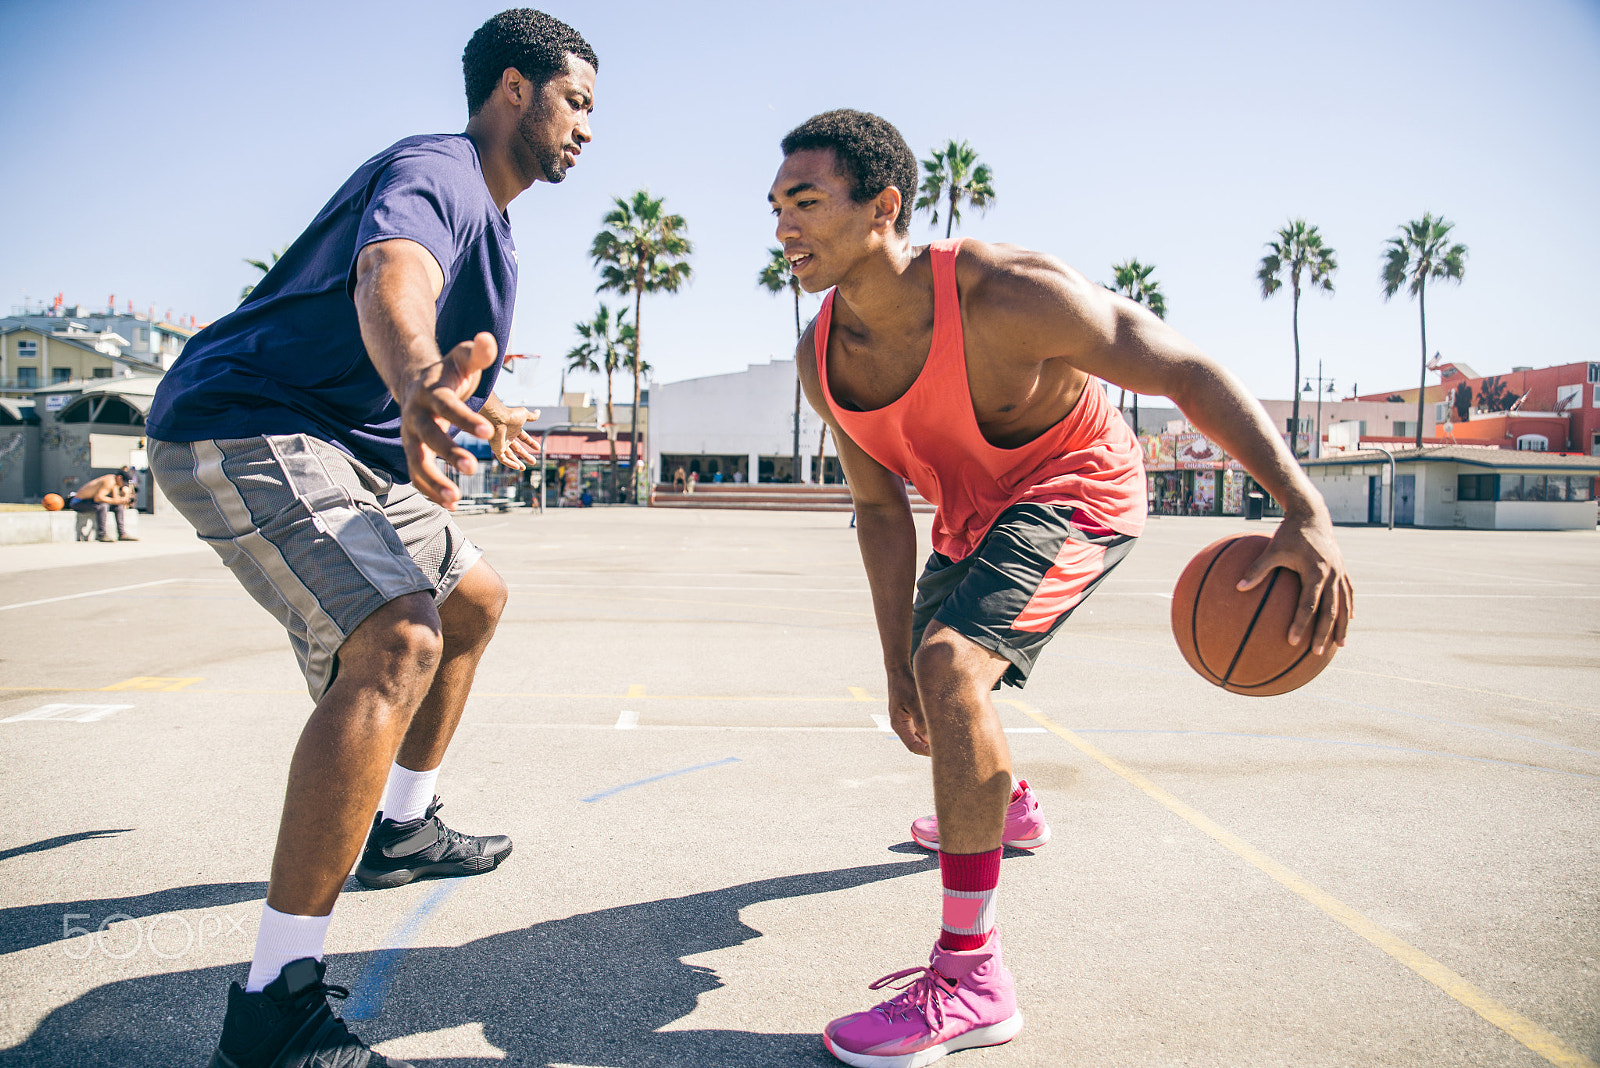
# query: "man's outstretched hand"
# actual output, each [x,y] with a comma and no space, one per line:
[1305,545]
[510,443]
[434,402]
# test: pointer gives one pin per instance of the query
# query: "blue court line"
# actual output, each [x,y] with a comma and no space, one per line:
[1335,741]
[603,794]
[366,1000]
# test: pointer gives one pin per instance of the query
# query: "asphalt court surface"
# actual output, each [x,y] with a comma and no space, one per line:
[1396,865]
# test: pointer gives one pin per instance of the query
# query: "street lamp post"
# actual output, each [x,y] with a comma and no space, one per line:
[1316,442]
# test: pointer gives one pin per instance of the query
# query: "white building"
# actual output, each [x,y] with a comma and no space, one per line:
[1471,486]
[738,425]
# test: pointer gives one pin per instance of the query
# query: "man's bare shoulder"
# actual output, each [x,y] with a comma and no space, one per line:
[1012,289]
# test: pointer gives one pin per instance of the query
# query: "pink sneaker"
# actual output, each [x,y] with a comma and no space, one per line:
[959,1001]
[1025,827]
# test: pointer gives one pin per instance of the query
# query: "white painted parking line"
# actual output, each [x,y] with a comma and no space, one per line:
[627,721]
[68,713]
[89,593]
[883,723]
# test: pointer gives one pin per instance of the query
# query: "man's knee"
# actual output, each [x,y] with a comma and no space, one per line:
[472,611]
[948,663]
[397,648]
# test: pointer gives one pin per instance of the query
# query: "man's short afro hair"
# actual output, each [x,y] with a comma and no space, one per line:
[529,40]
[870,151]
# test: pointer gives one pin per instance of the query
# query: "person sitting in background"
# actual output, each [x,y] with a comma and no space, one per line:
[102,495]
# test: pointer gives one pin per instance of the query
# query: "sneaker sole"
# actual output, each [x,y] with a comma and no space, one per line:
[993,1035]
[1029,843]
[388,880]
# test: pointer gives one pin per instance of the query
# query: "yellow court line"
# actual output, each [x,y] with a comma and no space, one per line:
[162,683]
[858,694]
[635,690]
[1532,1035]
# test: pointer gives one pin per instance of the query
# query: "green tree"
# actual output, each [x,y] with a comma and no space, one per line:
[1133,280]
[1420,253]
[1298,251]
[775,277]
[953,175]
[263,266]
[643,249]
[603,346]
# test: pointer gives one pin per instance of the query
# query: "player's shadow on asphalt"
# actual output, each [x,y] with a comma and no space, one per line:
[26,926]
[592,989]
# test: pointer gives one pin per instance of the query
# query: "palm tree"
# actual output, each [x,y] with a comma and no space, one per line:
[1298,250]
[775,277]
[953,175]
[1421,252]
[263,266]
[1132,280]
[604,341]
[642,250]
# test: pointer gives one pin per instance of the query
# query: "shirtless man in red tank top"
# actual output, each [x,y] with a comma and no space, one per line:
[971,369]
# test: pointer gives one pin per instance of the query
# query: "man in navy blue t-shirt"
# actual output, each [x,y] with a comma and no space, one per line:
[299,434]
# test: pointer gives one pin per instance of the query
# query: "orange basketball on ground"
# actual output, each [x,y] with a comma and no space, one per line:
[53,503]
[1240,641]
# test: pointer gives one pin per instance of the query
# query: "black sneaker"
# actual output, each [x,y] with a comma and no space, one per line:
[289,1025]
[397,853]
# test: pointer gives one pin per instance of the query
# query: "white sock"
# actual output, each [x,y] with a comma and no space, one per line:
[281,939]
[408,794]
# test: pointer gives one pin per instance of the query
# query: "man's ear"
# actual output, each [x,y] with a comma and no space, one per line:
[886,208]
[515,87]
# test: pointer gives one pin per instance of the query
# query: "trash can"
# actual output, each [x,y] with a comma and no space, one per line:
[1254,504]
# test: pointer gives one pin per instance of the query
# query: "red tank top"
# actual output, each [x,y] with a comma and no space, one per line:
[1089,460]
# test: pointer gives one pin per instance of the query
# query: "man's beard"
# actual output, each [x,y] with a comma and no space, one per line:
[550,157]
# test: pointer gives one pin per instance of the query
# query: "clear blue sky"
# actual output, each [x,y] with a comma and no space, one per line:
[149,148]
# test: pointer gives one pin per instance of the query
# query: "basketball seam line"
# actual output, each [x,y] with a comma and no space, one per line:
[1194,620]
[1298,661]
[1260,607]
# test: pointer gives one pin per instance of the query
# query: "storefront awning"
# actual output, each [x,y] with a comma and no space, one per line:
[582,446]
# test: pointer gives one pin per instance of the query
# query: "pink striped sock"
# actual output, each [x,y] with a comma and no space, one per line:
[971,881]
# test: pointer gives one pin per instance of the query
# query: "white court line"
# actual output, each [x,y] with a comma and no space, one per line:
[90,593]
[729,728]
[65,713]
[627,721]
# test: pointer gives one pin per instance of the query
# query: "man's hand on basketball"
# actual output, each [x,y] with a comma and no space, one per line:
[510,443]
[434,402]
[905,714]
[1305,545]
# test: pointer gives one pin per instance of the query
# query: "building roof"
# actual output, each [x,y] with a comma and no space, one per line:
[1475,456]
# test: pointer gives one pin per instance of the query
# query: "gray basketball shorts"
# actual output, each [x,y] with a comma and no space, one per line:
[319,539]
[1020,584]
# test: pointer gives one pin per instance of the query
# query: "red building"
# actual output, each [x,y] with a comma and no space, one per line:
[1549,409]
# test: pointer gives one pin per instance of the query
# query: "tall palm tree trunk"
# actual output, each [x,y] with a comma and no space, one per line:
[950,216]
[1294,388]
[633,413]
[1422,382]
[611,422]
[797,334]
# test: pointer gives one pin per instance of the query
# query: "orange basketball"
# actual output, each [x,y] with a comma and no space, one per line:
[53,503]
[1240,641]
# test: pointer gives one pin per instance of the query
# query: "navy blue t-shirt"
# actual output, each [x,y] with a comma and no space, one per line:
[290,359]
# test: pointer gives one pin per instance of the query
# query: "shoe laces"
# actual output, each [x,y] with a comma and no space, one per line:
[349,1042]
[923,992]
